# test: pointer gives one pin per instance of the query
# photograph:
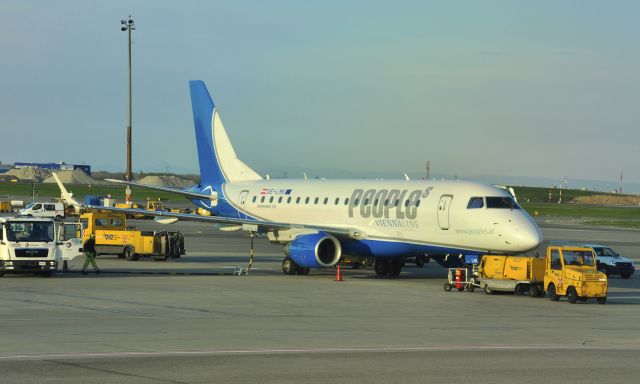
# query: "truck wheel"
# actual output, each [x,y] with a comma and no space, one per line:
[602,300]
[58,218]
[447,287]
[65,266]
[534,291]
[129,254]
[46,274]
[625,275]
[488,290]
[552,293]
[471,287]
[572,295]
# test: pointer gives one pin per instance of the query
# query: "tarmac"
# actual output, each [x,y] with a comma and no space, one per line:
[190,320]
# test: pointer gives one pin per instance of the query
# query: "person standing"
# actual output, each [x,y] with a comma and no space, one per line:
[89,247]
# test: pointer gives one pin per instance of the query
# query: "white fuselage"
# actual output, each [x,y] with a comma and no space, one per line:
[431,213]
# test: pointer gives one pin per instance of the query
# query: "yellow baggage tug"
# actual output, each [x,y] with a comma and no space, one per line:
[114,237]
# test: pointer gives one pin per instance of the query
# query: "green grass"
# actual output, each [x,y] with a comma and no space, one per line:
[541,195]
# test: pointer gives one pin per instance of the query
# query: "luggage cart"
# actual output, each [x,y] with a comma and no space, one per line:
[458,278]
[469,276]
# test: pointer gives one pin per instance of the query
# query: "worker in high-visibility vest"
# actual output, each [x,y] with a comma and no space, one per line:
[89,247]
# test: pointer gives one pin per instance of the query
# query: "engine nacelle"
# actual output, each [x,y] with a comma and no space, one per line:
[317,250]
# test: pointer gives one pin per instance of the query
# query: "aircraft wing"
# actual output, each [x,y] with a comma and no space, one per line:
[260,226]
[202,196]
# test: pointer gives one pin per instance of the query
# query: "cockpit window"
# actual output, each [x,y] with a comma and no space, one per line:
[501,202]
[476,202]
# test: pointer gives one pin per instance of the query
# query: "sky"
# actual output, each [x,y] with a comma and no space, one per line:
[516,88]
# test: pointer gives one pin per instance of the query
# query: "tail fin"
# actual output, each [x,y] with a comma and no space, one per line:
[65,196]
[217,158]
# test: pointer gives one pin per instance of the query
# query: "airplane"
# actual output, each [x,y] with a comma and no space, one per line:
[321,221]
[67,197]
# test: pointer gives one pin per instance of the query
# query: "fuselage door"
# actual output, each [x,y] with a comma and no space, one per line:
[443,211]
[242,200]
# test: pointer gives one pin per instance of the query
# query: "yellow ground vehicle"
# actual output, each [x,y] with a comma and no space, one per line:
[565,271]
[114,237]
[571,271]
[511,273]
[5,206]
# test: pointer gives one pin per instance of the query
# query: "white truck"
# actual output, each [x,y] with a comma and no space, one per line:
[36,245]
[35,209]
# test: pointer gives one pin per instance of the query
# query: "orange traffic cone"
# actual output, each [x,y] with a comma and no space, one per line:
[338,274]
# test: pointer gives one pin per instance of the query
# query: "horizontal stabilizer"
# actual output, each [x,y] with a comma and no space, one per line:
[196,195]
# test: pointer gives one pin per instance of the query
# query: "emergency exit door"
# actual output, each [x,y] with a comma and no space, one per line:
[443,211]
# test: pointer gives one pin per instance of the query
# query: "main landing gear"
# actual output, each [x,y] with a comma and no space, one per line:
[290,267]
[391,268]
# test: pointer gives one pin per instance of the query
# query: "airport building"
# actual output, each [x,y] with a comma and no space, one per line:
[61,166]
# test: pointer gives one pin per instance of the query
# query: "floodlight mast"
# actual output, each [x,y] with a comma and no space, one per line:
[128,25]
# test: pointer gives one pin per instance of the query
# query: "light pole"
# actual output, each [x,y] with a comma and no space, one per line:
[128,25]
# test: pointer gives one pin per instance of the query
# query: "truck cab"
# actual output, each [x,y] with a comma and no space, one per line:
[33,245]
[610,262]
[571,272]
[52,210]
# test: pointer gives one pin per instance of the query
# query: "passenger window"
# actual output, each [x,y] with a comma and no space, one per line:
[271,199]
[396,203]
[298,200]
[37,206]
[315,201]
[288,199]
[337,200]
[365,202]
[375,202]
[326,200]
[279,199]
[417,203]
[475,202]
[386,202]
[346,201]
[356,202]
[406,203]
[262,199]
[306,201]
[1,234]
[254,199]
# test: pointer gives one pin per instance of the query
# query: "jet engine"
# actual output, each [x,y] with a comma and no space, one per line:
[317,250]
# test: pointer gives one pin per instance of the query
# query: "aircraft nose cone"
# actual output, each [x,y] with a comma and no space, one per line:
[530,237]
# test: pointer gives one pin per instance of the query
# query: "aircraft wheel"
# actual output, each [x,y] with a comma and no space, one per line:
[289,267]
[382,267]
[395,267]
[447,287]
